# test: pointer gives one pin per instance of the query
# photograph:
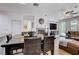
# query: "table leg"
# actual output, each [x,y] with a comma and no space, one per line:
[52,52]
[7,51]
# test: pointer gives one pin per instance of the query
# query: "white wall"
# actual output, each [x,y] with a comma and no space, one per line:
[5,24]
[36,22]
[47,20]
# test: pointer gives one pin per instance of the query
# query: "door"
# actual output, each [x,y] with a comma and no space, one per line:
[16,27]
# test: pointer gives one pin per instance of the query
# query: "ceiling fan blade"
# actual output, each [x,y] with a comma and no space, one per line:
[71,11]
[67,12]
[75,13]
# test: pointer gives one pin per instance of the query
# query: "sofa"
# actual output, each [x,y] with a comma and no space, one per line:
[74,35]
[72,47]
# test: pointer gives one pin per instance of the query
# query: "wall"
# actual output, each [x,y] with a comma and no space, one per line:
[47,20]
[5,24]
[36,22]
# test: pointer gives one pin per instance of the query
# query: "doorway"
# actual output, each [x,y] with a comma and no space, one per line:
[16,27]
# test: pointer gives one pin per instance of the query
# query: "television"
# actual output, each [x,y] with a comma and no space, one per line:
[53,26]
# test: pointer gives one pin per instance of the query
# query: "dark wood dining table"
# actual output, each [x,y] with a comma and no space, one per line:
[13,44]
[10,47]
[48,44]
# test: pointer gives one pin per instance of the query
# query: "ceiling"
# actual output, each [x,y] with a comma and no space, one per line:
[55,10]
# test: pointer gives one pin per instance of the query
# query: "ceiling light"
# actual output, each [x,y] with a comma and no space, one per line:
[22,3]
[36,4]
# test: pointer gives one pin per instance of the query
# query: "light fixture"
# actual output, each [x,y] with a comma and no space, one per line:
[22,3]
[36,4]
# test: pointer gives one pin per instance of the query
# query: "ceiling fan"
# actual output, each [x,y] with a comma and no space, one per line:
[70,12]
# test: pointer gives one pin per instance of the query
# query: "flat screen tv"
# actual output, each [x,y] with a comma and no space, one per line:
[53,26]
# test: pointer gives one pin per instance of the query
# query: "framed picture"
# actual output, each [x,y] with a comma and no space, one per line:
[41,21]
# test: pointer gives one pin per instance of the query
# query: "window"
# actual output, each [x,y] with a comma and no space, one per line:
[74,25]
[62,28]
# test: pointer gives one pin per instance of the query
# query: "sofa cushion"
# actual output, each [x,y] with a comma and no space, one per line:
[74,44]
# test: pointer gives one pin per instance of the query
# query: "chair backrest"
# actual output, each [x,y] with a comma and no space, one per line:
[9,37]
[49,43]
[32,46]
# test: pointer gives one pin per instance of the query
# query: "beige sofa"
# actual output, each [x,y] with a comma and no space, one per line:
[72,47]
